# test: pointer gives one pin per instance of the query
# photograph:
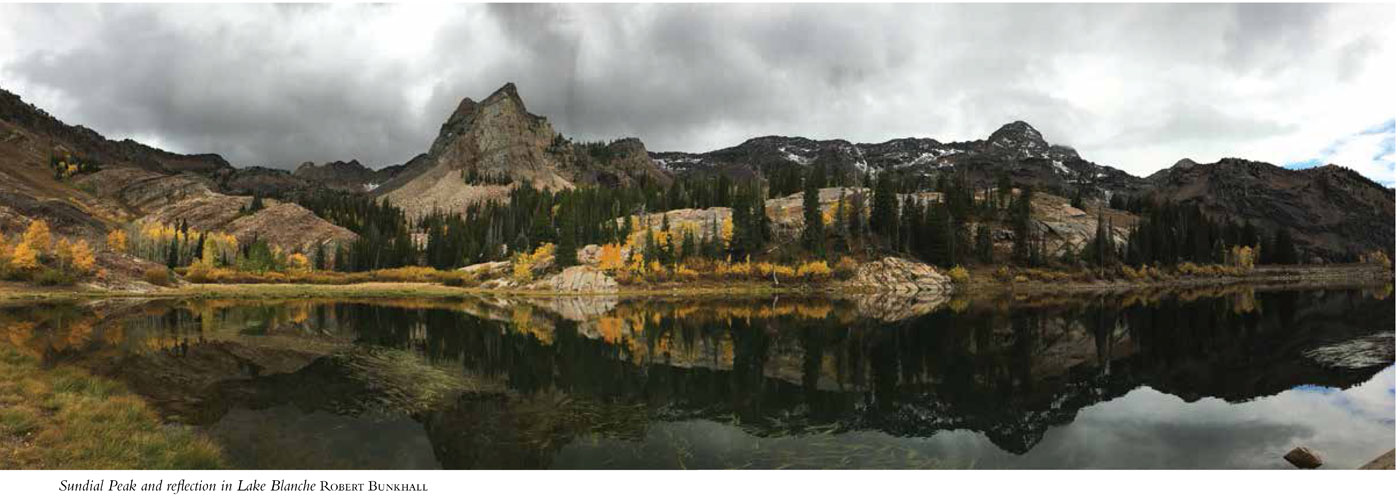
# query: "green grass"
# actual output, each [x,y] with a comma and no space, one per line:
[66,418]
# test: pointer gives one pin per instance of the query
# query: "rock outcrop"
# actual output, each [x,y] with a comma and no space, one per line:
[894,275]
[579,279]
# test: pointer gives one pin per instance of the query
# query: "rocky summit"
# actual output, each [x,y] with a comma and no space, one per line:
[485,148]
[1016,150]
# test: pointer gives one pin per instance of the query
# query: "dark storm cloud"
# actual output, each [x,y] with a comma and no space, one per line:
[1134,86]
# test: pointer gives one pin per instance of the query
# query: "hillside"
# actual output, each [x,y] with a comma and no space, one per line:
[125,182]
[1337,213]
[1334,212]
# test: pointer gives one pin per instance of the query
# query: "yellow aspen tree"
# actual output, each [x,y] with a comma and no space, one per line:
[63,251]
[24,257]
[610,257]
[37,236]
[116,241]
[298,262]
[83,258]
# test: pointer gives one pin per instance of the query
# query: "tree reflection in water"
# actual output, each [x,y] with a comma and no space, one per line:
[547,375]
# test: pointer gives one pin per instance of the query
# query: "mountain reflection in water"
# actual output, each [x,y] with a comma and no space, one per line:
[1216,380]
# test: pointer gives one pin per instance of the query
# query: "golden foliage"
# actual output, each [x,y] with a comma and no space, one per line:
[81,257]
[116,241]
[37,236]
[158,276]
[1242,257]
[845,267]
[24,257]
[726,231]
[297,262]
[1376,257]
[523,268]
[814,270]
[959,275]
[610,257]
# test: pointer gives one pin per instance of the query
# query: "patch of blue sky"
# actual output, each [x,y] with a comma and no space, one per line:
[1375,158]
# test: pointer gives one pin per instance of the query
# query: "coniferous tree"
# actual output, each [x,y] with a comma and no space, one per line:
[566,253]
[1021,244]
[172,257]
[939,237]
[320,260]
[884,213]
[857,223]
[838,223]
[984,244]
[1284,251]
[813,234]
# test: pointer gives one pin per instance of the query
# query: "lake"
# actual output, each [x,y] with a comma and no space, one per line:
[1222,378]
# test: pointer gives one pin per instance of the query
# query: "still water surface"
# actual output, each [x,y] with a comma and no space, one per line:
[1225,379]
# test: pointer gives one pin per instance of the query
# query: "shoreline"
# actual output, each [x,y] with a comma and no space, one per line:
[982,285]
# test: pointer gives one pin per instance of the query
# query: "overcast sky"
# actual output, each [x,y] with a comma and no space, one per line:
[1137,87]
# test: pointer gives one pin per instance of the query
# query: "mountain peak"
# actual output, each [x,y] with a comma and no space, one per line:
[1185,163]
[1019,135]
[508,93]
[507,90]
[1017,127]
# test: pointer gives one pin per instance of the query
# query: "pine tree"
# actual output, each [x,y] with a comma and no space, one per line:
[1284,251]
[813,234]
[172,257]
[838,222]
[857,223]
[198,249]
[984,243]
[939,236]
[884,213]
[256,204]
[1021,228]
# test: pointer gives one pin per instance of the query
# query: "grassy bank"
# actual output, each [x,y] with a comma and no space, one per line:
[1038,281]
[66,418]
[980,281]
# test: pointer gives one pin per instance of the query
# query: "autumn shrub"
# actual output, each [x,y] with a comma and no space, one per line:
[157,276]
[1002,274]
[814,271]
[683,273]
[845,268]
[53,277]
[959,275]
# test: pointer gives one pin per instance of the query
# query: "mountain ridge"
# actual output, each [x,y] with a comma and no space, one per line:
[485,148]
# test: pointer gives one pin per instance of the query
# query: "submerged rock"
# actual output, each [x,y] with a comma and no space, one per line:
[1303,458]
[1355,354]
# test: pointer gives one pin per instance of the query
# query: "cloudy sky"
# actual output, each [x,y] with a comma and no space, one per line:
[1135,86]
